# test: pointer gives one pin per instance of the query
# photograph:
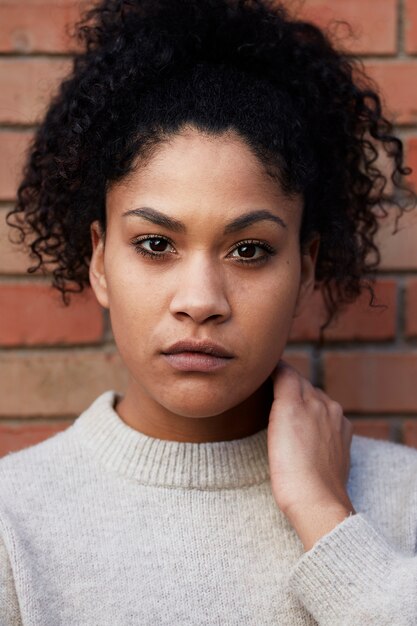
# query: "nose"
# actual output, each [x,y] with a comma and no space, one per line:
[200,292]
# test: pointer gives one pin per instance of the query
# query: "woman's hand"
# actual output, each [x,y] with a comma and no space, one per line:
[309,455]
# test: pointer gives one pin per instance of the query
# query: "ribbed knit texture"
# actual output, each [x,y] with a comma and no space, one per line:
[102,525]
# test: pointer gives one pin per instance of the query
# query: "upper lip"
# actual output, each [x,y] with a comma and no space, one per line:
[206,346]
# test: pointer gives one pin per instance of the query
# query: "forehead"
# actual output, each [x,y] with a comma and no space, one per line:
[193,172]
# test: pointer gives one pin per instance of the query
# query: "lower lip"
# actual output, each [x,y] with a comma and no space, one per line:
[196,361]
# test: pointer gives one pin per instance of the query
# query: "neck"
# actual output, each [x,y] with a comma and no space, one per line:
[151,419]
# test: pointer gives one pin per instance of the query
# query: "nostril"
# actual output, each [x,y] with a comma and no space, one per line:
[200,314]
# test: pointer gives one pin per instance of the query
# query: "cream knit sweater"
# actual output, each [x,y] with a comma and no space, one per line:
[102,525]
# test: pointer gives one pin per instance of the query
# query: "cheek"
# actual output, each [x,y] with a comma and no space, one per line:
[269,313]
[136,300]
[269,302]
[131,286]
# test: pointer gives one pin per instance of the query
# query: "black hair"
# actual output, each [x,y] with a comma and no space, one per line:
[147,68]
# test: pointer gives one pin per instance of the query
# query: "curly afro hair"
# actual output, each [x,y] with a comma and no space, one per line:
[148,67]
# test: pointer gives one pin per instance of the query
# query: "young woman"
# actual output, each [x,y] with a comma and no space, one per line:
[202,168]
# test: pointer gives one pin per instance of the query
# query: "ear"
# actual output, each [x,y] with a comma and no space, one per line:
[97,271]
[309,255]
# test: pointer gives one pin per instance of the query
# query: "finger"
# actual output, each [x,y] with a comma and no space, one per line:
[333,408]
[288,382]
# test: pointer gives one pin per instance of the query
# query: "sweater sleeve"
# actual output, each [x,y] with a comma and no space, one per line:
[353,576]
[9,606]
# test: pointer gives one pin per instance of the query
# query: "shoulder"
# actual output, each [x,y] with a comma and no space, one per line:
[33,485]
[9,604]
[35,474]
[383,464]
[23,473]
[383,485]
[376,455]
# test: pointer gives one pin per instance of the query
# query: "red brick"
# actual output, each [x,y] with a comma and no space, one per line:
[411,308]
[410,432]
[398,250]
[411,26]
[300,360]
[12,258]
[56,383]
[34,314]
[358,322]
[14,437]
[24,4]
[398,84]
[372,382]
[37,27]
[13,146]
[26,87]
[373,23]
[374,428]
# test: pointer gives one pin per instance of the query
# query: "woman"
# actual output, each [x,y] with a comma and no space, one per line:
[205,165]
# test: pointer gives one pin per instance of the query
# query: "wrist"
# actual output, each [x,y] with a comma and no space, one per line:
[313,521]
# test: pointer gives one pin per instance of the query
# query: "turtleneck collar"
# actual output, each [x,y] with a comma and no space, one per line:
[161,463]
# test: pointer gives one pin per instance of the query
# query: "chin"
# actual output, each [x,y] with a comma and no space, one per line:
[199,404]
[206,396]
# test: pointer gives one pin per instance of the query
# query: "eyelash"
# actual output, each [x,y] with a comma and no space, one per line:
[153,255]
[259,244]
[159,256]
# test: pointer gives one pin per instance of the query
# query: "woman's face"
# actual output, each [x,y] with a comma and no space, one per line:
[201,244]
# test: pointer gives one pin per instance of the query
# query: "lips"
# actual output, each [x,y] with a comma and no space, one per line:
[203,346]
[190,355]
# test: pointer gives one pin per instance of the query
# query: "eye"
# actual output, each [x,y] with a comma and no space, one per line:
[152,246]
[248,251]
[155,244]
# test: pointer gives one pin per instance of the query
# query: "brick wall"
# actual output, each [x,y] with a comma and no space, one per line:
[54,361]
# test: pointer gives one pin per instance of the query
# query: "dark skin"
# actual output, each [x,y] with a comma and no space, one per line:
[238,286]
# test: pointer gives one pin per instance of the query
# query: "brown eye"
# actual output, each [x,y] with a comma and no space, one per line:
[252,251]
[247,251]
[157,245]
[152,246]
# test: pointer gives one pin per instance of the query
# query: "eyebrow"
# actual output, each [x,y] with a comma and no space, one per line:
[239,223]
[247,219]
[156,217]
